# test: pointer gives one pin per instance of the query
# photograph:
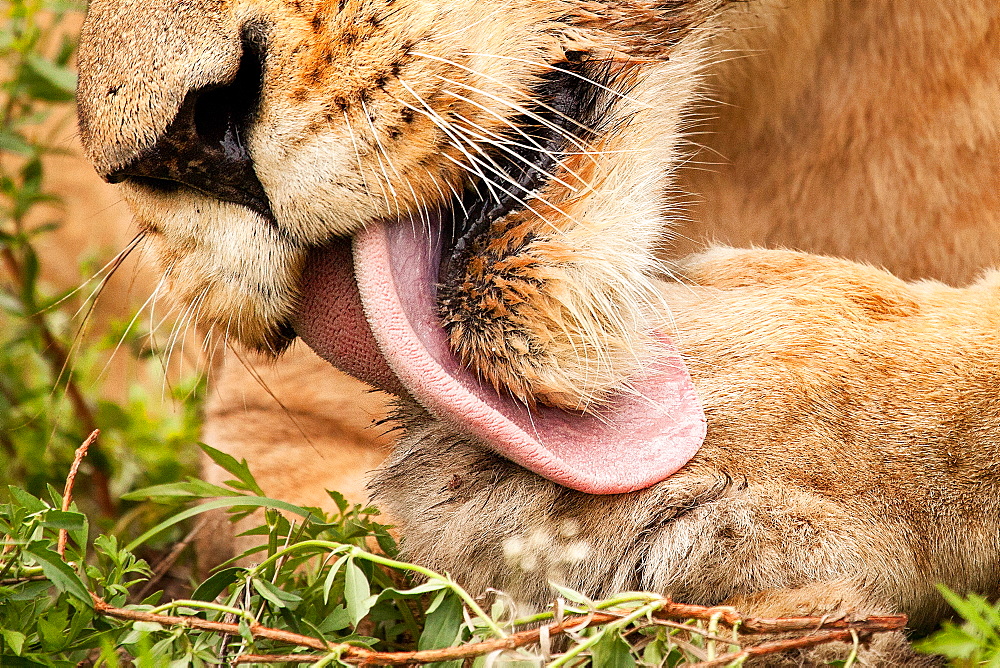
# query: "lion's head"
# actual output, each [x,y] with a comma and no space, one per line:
[501,166]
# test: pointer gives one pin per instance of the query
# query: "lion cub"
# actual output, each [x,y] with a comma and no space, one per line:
[850,463]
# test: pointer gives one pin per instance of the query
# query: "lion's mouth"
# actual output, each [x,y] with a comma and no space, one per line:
[369,308]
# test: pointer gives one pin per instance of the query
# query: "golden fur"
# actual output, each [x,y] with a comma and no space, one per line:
[858,412]
[866,130]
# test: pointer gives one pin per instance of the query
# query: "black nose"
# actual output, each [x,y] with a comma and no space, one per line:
[204,147]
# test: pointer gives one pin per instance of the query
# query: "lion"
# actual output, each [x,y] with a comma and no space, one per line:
[463,204]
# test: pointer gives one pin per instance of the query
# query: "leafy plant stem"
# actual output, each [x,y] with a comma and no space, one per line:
[203,605]
[358,553]
[639,612]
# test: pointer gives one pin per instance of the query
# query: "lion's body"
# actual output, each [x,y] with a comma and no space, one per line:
[866,130]
[850,463]
[854,422]
[823,479]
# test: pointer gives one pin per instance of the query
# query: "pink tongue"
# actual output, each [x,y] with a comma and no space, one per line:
[401,347]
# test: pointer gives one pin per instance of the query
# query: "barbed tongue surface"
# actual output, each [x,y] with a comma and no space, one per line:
[384,329]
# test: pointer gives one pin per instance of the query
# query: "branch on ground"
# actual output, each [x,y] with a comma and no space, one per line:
[841,630]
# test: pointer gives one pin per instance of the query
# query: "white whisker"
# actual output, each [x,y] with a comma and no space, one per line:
[446,128]
[571,137]
[616,93]
[381,150]
[361,169]
[501,145]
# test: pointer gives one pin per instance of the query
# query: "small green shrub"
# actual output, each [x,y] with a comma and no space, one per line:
[974,642]
[51,387]
[325,589]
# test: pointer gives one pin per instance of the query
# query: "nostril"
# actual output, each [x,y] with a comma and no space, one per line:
[213,115]
[204,147]
[219,110]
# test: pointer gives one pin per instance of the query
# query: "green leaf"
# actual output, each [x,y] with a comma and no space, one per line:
[419,590]
[237,468]
[14,639]
[14,143]
[977,641]
[58,519]
[973,609]
[79,536]
[30,269]
[357,593]
[147,627]
[216,584]
[443,627]
[249,501]
[337,620]
[340,500]
[571,595]
[275,595]
[331,577]
[245,631]
[47,81]
[386,542]
[58,571]
[26,591]
[27,501]
[951,641]
[437,600]
[612,651]
[198,489]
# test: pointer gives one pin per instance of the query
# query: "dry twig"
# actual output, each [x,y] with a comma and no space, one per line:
[841,629]
[277,658]
[812,640]
[81,452]
[730,617]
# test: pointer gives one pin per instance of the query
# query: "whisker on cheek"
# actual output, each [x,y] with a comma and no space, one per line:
[521,109]
[128,328]
[445,127]
[180,327]
[68,368]
[505,147]
[563,71]
[488,163]
[360,165]
[381,152]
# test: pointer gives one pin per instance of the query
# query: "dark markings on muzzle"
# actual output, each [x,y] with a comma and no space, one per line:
[204,147]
